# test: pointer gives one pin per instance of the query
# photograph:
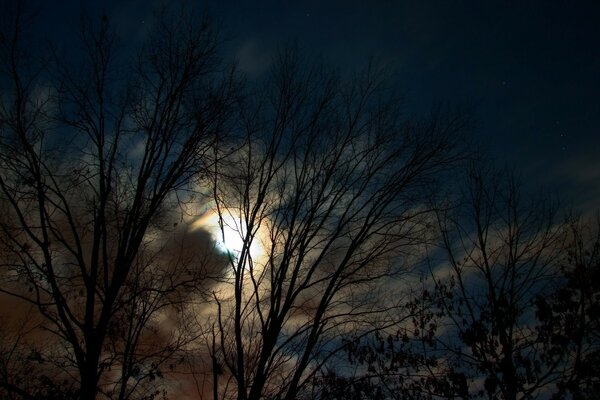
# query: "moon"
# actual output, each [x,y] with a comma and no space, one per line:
[229,238]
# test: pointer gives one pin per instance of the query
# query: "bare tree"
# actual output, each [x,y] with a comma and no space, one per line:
[325,200]
[95,159]
[501,255]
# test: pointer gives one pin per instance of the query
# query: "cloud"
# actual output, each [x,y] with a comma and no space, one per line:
[578,179]
[253,59]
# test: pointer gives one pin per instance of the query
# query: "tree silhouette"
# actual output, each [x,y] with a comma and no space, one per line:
[481,326]
[330,187]
[501,250]
[326,200]
[95,159]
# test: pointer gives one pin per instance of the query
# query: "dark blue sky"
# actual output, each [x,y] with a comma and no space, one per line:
[530,70]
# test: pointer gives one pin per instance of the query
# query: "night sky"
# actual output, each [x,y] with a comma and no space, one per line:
[528,70]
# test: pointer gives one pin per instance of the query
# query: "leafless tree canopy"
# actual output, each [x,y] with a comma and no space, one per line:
[502,253]
[94,157]
[331,186]
[324,198]
[505,312]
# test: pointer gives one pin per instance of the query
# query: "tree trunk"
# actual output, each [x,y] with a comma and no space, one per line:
[89,372]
